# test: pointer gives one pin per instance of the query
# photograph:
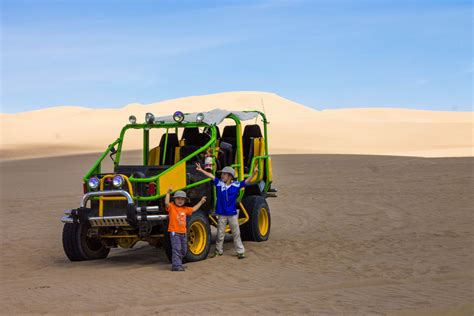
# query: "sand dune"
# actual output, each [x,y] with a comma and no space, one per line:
[294,128]
[351,235]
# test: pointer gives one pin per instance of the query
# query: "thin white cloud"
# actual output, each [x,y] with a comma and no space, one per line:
[421,82]
[105,44]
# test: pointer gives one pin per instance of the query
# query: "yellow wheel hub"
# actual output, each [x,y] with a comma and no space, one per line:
[263,221]
[197,238]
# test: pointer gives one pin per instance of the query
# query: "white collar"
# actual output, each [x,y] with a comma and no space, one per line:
[226,186]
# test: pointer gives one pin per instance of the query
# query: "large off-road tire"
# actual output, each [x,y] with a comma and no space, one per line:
[79,247]
[199,238]
[259,224]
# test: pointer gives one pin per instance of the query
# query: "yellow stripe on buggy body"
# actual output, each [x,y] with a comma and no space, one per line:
[259,150]
[177,154]
[261,162]
[270,170]
[112,198]
[175,178]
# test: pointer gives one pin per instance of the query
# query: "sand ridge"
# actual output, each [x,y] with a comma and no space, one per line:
[293,128]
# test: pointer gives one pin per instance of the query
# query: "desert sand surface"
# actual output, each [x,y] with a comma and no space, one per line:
[294,128]
[351,234]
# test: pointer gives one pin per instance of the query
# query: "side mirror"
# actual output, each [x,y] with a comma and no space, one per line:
[113,152]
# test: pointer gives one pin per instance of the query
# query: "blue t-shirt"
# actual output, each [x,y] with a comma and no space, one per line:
[227,196]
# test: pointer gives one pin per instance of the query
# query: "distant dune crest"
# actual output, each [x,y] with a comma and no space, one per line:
[294,128]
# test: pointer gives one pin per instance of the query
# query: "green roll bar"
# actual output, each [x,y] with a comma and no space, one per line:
[96,168]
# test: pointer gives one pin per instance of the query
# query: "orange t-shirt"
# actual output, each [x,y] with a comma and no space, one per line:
[177,217]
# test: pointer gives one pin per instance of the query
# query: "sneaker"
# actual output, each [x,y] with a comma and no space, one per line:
[215,254]
[177,269]
[241,256]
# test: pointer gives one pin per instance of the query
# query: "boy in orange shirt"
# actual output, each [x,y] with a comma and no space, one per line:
[177,225]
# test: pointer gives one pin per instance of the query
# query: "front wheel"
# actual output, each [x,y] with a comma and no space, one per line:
[258,226]
[199,238]
[79,247]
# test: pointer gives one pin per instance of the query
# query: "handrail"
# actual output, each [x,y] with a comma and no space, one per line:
[187,158]
[252,162]
[182,161]
[154,125]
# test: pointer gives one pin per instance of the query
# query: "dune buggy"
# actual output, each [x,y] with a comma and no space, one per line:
[126,206]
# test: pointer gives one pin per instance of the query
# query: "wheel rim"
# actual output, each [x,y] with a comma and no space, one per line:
[197,238]
[93,244]
[263,221]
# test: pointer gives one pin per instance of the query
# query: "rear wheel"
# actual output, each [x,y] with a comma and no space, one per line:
[259,224]
[78,246]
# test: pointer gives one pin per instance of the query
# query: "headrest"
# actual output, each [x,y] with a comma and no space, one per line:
[229,131]
[191,135]
[172,140]
[252,131]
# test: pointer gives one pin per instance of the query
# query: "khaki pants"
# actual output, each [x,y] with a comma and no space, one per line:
[234,228]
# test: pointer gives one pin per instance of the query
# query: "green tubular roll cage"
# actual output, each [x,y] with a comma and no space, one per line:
[96,168]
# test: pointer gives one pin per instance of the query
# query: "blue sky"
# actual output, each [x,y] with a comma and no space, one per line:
[324,54]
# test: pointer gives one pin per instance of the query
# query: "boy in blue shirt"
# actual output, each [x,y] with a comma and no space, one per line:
[227,192]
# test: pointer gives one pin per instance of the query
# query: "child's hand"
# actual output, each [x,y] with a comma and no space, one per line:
[255,169]
[170,189]
[203,199]
[198,166]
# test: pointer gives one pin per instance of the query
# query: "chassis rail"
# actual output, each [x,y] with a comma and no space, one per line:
[114,220]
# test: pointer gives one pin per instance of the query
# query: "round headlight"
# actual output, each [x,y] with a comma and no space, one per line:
[178,116]
[132,119]
[149,118]
[117,181]
[93,183]
[199,117]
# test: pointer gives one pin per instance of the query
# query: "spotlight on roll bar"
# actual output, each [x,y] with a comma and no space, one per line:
[149,118]
[178,116]
[199,117]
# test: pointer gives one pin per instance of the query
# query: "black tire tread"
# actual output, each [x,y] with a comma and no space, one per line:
[74,247]
[246,229]
[70,233]
[249,230]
